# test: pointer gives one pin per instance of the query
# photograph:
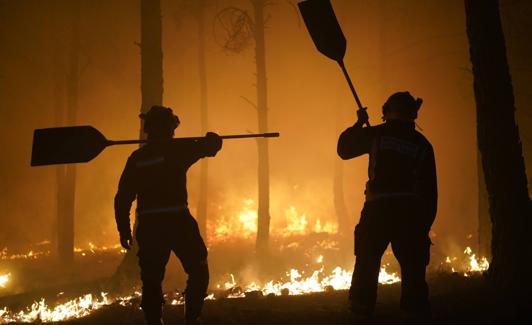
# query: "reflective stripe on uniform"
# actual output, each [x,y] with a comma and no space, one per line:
[149,162]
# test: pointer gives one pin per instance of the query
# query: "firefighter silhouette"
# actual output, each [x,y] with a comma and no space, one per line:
[400,205]
[155,175]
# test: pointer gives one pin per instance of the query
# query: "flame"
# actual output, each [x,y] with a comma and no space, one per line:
[475,265]
[471,265]
[388,278]
[79,307]
[94,249]
[329,227]
[298,283]
[34,254]
[4,279]
[4,255]
[245,224]
[40,311]
[297,225]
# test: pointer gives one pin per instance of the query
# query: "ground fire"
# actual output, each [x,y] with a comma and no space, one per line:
[318,275]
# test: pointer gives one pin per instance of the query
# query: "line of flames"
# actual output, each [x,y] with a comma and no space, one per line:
[297,284]
[318,281]
[91,249]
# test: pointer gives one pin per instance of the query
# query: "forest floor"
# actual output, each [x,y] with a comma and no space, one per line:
[455,300]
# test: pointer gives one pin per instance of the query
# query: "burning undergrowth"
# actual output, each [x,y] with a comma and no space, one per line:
[306,256]
[297,265]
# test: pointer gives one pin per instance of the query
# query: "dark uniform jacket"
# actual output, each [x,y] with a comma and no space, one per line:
[401,162]
[155,175]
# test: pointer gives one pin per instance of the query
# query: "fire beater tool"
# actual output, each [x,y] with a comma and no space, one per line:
[327,35]
[75,144]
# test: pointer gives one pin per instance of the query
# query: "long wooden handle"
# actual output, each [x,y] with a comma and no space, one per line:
[232,136]
[352,87]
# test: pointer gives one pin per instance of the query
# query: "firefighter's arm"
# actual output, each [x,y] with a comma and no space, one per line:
[123,199]
[354,141]
[212,144]
[207,146]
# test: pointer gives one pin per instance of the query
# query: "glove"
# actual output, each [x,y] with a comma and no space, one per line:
[363,117]
[126,240]
[213,143]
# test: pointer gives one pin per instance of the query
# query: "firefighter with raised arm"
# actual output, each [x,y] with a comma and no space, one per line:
[400,206]
[155,175]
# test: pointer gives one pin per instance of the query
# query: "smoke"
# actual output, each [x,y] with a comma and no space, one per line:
[309,103]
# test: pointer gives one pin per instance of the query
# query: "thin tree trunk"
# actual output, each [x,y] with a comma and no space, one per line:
[500,148]
[263,226]
[152,94]
[151,55]
[66,176]
[58,97]
[202,71]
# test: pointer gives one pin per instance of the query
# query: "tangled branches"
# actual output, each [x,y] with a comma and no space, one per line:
[233,29]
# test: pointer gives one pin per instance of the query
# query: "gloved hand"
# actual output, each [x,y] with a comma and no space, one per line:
[126,240]
[363,117]
[213,143]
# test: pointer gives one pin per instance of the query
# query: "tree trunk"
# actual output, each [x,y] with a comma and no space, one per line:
[58,97]
[500,149]
[263,225]
[484,222]
[151,58]
[66,174]
[202,71]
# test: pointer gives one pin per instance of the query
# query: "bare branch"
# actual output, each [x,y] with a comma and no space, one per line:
[250,102]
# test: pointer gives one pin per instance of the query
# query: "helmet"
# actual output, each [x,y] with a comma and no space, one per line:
[404,104]
[159,119]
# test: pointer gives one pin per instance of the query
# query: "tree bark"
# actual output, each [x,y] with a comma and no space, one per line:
[263,224]
[152,94]
[500,149]
[484,222]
